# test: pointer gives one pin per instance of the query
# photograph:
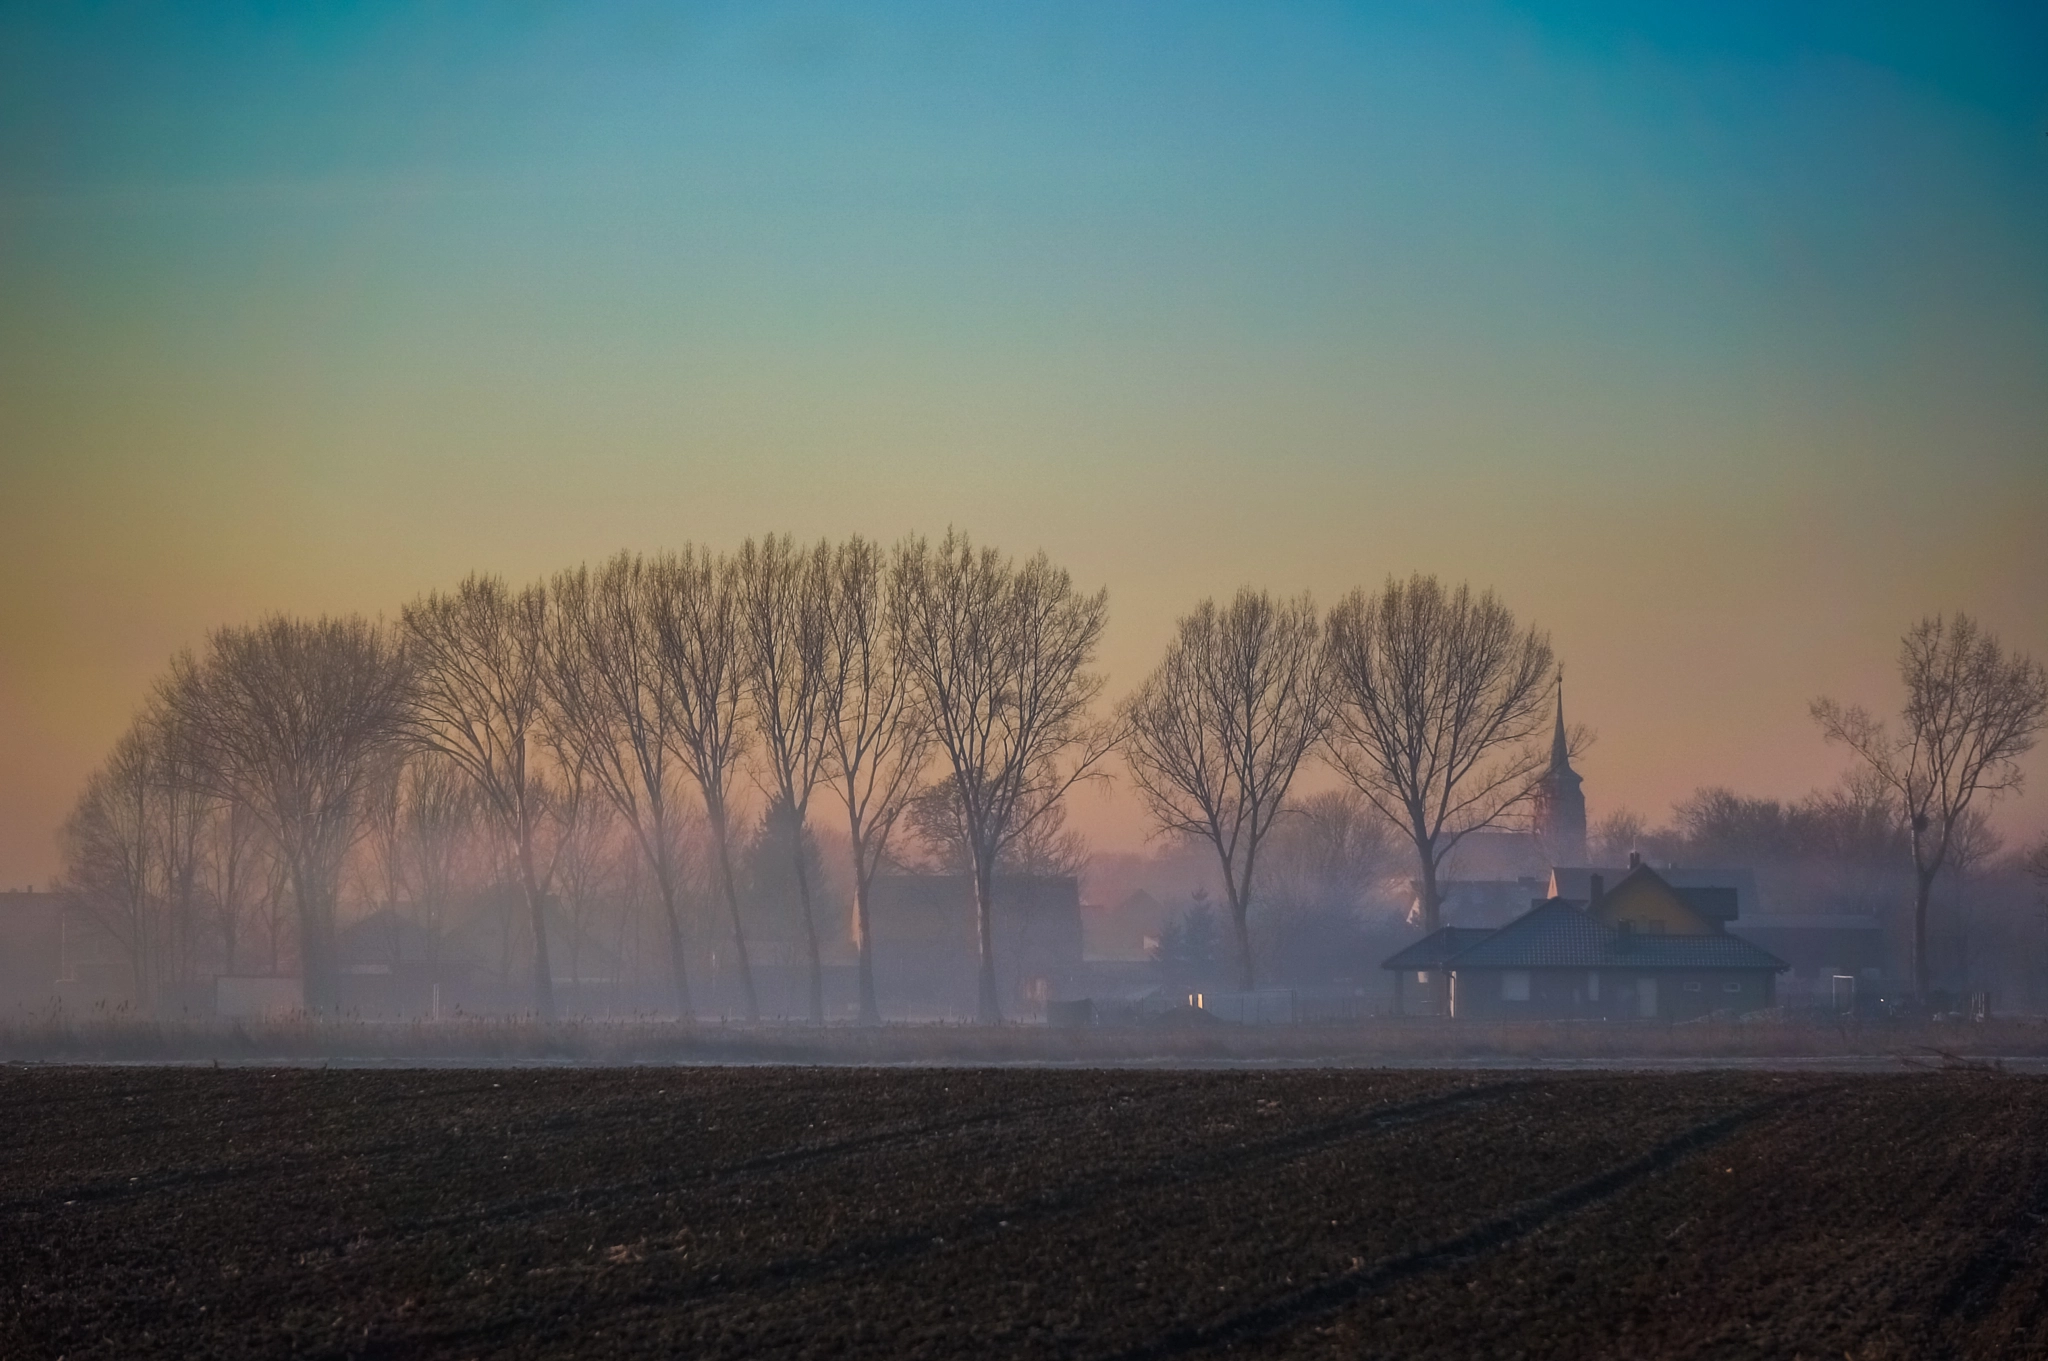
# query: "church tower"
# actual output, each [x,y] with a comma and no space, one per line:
[1560,821]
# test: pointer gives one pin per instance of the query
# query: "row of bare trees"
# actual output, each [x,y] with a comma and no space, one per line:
[944,684]
[1422,698]
[654,684]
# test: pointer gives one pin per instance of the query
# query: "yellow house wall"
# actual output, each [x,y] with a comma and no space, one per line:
[1646,901]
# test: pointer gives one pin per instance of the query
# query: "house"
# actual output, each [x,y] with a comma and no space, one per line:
[1643,949]
[927,942]
[1428,960]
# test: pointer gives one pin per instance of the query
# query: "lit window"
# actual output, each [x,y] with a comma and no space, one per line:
[1514,985]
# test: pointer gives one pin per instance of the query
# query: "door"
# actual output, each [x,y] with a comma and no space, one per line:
[1646,997]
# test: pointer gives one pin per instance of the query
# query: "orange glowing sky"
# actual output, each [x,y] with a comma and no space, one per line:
[1717,342]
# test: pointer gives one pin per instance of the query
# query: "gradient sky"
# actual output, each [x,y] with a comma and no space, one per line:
[1714,337]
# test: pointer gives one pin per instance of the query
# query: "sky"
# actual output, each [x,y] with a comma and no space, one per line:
[1713,337]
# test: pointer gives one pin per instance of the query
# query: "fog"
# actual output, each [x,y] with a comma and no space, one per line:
[793,786]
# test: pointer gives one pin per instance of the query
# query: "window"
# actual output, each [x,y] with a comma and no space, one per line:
[1732,987]
[1592,985]
[1692,987]
[1514,985]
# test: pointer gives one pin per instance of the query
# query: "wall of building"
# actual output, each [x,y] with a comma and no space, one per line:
[1607,994]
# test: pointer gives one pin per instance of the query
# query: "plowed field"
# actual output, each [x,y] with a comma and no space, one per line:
[894,1213]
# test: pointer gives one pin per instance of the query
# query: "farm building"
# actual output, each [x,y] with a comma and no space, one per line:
[1644,949]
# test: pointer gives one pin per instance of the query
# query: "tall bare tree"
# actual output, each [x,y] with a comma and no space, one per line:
[786,615]
[478,657]
[1435,694]
[111,844]
[610,715]
[1971,712]
[288,717]
[439,816]
[1048,848]
[232,866]
[588,866]
[876,747]
[695,606]
[1215,735]
[998,654]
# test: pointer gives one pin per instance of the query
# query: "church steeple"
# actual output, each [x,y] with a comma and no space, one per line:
[1560,820]
[1560,749]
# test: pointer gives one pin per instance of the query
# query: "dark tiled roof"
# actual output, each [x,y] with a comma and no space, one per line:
[1438,946]
[1550,935]
[1718,951]
[1557,935]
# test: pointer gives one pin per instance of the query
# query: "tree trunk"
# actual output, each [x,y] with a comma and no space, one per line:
[316,944]
[685,1010]
[870,1013]
[1432,921]
[732,903]
[1241,911]
[1923,888]
[1244,943]
[1432,895]
[803,893]
[990,1010]
[536,906]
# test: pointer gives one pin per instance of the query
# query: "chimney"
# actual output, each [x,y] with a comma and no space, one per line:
[1635,860]
[1599,891]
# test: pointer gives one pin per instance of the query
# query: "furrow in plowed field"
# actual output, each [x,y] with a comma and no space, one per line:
[746,1212]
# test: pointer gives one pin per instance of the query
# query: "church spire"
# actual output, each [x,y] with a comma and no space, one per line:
[1560,749]
[1560,811]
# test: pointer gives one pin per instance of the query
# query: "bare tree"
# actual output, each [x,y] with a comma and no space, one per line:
[786,613]
[1971,712]
[1215,735]
[876,748]
[110,844]
[439,816]
[1434,694]
[1331,853]
[695,606]
[998,655]
[1615,835]
[288,717]
[586,861]
[185,810]
[1048,848]
[611,718]
[231,865]
[381,869]
[478,661]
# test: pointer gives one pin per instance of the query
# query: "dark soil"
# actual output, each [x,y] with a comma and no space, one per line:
[891,1213]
